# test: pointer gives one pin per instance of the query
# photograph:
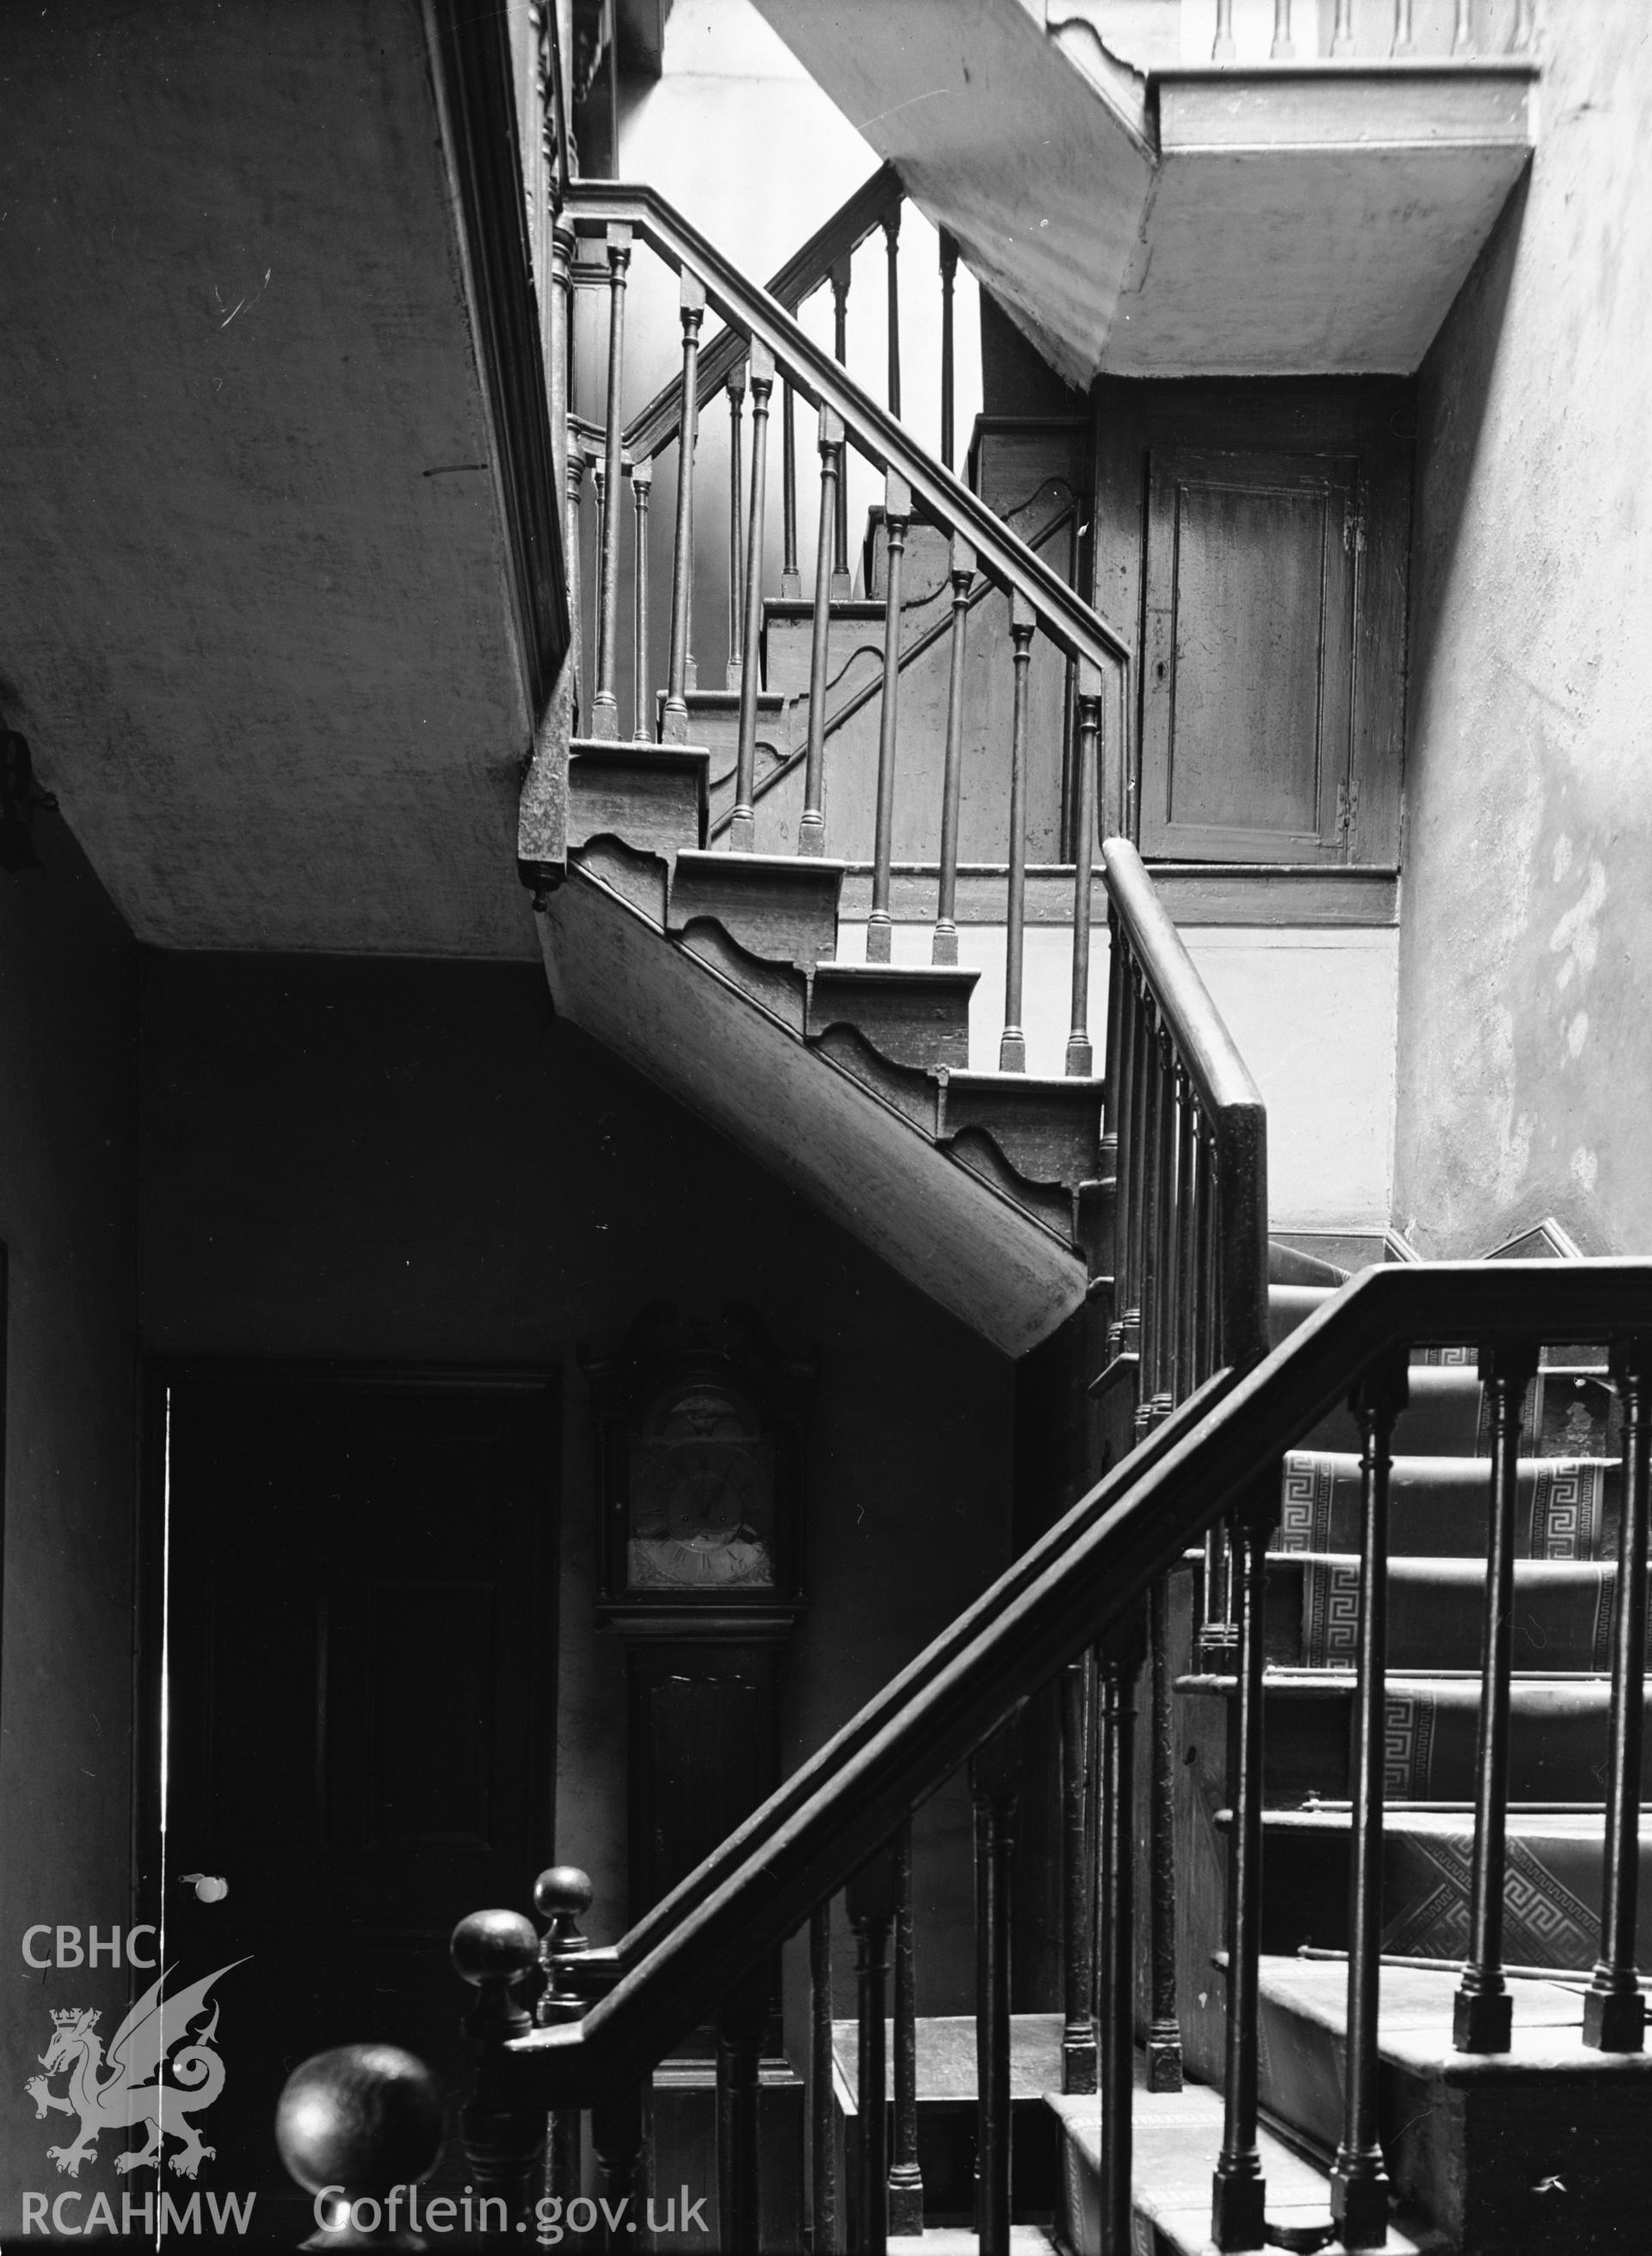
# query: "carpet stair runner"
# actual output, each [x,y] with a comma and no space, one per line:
[1482,2155]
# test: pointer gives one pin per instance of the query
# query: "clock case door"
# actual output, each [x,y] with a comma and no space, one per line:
[699,1436]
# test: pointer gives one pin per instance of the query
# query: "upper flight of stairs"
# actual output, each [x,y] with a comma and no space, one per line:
[719,976]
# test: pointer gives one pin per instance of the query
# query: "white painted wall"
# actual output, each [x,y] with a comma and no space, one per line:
[1312,1010]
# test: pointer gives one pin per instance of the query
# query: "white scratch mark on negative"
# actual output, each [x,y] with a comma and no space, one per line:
[243,301]
[899,106]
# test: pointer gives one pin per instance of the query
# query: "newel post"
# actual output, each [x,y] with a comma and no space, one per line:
[562,1895]
[492,1951]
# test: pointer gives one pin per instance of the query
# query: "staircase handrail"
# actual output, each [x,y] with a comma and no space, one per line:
[1219,1091]
[1089,1580]
[656,426]
[943,498]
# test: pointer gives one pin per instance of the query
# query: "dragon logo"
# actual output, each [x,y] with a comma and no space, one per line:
[129,2089]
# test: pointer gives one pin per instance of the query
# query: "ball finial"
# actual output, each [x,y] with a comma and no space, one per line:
[365,2116]
[563,1892]
[494,1946]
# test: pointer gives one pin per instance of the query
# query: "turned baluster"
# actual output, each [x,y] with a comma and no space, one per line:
[642,478]
[906,2179]
[892,239]
[1162,1398]
[599,488]
[1078,2027]
[561,1896]
[558,312]
[574,486]
[691,300]
[1206,1343]
[741,2021]
[995,1776]
[1483,2011]
[840,350]
[822,2112]
[1164,2027]
[492,1951]
[1614,2009]
[870,1899]
[1462,32]
[1155,1099]
[1120,1664]
[362,2123]
[617,2143]
[1137,1191]
[1239,2190]
[1223,49]
[1187,1225]
[897,516]
[811,830]
[1359,2177]
[1525,31]
[737,545]
[1012,1049]
[1404,42]
[1283,49]
[1342,33]
[791,578]
[606,704]
[948,284]
[742,829]
[1080,1054]
[944,949]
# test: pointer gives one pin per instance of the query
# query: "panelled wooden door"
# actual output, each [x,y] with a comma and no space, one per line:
[1255,536]
[360,1670]
[1247,689]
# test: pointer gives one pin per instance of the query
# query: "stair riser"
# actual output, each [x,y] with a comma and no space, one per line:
[1473,2155]
[1551,1903]
[1556,1742]
[1439,1508]
[1563,1614]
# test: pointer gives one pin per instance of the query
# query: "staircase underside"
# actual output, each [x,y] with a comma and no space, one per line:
[729,1032]
[1274,220]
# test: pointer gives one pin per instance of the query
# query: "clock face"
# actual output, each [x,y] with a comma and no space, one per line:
[701,1498]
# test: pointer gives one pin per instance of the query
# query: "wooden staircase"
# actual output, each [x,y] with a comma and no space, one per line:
[717,975]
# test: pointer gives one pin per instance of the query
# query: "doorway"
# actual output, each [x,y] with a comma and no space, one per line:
[350,1655]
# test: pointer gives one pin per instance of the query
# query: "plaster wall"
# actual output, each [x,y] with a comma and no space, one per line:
[68,1103]
[1525,1069]
[1312,1010]
[414,1162]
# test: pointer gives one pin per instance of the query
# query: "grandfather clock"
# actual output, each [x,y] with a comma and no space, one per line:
[700,1433]
[700,1436]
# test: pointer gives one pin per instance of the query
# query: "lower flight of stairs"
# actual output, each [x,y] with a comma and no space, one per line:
[717,975]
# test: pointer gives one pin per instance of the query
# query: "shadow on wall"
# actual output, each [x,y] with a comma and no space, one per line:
[1453,390]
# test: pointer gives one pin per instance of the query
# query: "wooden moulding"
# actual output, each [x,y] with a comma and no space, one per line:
[1049,1131]
[912,1014]
[653,797]
[777,906]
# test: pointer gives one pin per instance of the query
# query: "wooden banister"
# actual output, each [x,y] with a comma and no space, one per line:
[809,265]
[940,497]
[1083,1579]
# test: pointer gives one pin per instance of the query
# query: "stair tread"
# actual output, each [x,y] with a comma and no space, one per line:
[960,2240]
[939,976]
[1177,2136]
[1415,2021]
[946,2059]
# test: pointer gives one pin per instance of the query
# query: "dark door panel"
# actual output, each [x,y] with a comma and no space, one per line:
[360,1633]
